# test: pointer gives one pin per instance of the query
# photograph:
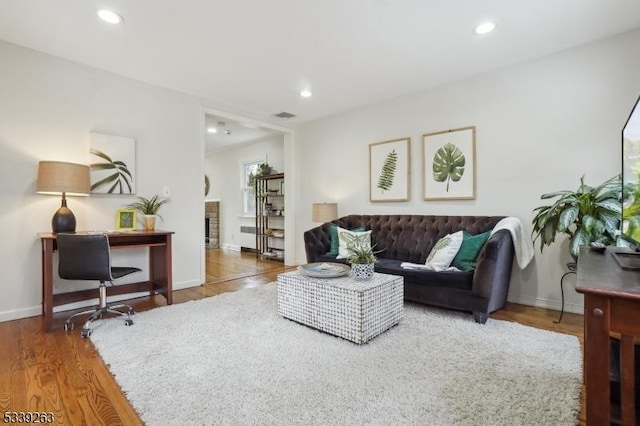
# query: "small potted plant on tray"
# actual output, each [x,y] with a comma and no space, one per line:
[149,207]
[362,257]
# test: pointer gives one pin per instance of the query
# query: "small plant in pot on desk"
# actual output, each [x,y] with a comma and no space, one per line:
[149,207]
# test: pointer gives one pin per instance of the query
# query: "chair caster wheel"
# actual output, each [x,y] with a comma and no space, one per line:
[69,326]
[131,312]
[128,322]
[86,332]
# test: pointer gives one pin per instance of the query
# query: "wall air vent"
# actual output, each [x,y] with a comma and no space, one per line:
[284,114]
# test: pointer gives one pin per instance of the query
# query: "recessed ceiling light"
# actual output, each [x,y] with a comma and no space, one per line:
[306,93]
[212,130]
[110,16]
[484,28]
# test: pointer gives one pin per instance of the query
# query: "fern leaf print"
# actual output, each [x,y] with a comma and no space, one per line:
[442,244]
[388,172]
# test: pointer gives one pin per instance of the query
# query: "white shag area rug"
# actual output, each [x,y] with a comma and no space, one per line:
[232,360]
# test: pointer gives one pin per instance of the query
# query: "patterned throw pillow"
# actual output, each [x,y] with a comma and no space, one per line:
[363,239]
[445,250]
[333,233]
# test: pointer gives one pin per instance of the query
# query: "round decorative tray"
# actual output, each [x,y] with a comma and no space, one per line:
[324,269]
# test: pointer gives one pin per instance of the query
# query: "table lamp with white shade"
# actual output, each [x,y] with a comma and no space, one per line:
[60,178]
[324,212]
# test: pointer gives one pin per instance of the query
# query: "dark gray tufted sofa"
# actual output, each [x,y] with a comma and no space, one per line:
[409,238]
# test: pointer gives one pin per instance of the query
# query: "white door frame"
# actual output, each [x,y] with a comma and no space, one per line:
[289,170]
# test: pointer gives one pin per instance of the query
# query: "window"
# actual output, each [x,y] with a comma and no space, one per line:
[249,170]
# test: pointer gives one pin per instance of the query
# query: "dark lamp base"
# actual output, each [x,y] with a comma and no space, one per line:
[63,220]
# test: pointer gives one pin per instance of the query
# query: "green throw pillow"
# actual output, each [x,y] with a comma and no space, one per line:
[465,260]
[335,242]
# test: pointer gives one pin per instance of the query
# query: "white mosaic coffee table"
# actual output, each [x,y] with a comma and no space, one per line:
[354,310]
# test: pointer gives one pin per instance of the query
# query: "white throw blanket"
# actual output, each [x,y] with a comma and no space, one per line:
[426,267]
[522,244]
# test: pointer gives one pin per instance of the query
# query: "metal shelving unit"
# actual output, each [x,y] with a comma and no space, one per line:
[270,216]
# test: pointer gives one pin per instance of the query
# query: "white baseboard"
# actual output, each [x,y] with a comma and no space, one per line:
[232,247]
[576,308]
[187,284]
[119,297]
[15,314]
[34,311]
[94,302]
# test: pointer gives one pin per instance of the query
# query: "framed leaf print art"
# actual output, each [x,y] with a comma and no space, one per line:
[389,169]
[113,164]
[449,164]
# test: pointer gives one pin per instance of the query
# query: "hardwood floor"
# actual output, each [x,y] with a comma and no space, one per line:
[61,373]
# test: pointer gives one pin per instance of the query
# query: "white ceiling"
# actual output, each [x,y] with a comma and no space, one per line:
[231,133]
[253,56]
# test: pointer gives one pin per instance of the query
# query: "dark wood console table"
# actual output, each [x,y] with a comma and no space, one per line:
[160,269]
[611,310]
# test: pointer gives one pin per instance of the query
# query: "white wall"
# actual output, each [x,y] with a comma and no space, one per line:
[540,126]
[225,173]
[48,107]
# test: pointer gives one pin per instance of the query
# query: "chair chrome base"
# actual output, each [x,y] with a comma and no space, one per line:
[99,312]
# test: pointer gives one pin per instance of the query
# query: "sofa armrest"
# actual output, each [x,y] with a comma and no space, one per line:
[317,242]
[493,270]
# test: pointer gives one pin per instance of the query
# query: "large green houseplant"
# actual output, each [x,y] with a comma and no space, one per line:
[586,215]
[149,207]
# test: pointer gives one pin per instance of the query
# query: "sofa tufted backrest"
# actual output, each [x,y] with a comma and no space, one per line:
[411,237]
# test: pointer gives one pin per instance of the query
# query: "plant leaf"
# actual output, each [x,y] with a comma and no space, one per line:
[114,186]
[611,205]
[587,222]
[100,154]
[580,238]
[101,166]
[387,174]
[448,164]
[555,194]
[104,181]
[567,218]
[598,228]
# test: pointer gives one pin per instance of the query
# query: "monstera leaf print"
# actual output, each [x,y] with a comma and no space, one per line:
[118,180]
[448,164]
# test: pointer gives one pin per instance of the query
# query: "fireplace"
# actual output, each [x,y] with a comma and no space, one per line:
[212,224]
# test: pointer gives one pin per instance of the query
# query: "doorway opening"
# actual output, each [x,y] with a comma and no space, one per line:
[231,142]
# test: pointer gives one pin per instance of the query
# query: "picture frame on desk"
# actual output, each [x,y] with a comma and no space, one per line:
[126,220]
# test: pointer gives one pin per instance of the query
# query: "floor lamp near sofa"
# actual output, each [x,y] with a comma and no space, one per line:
[60,178]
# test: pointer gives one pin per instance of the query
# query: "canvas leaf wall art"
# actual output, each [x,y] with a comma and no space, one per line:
[113,164]
[389,170]
[448,164]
